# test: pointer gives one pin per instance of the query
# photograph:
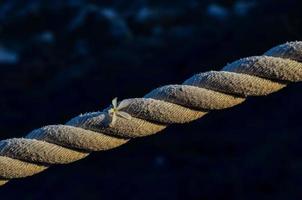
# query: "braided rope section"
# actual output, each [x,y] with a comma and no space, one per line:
[98,131]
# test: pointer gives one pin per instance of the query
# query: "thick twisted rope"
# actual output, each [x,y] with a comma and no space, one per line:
[97,131]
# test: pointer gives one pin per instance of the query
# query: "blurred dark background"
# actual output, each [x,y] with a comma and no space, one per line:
[62,58]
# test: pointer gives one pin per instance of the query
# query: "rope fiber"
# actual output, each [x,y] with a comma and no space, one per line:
[137,117]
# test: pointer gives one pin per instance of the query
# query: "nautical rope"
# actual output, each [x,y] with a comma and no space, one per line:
[137,117]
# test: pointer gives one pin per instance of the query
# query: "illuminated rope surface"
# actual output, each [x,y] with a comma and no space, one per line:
[137,117]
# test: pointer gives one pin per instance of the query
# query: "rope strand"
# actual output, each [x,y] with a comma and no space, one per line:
[138,117]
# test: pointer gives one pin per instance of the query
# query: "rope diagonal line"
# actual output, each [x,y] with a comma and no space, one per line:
[137,117]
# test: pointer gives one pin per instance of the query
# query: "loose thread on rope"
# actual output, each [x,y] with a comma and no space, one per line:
[138,117]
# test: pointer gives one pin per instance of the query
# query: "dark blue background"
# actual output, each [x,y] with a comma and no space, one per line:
[62,58]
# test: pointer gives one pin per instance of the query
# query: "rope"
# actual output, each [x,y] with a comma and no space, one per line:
[137,117]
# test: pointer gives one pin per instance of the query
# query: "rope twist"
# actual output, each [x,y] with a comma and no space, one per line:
[138,117]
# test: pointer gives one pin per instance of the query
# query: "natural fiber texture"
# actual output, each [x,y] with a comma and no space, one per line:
[97,131]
